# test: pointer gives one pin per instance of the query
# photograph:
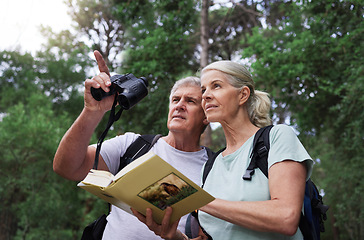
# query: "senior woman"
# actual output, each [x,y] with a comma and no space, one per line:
[263,208]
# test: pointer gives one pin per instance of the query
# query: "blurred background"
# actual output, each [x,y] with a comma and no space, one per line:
[309,55]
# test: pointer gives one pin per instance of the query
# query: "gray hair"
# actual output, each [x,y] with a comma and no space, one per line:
[258,104]
[187,81]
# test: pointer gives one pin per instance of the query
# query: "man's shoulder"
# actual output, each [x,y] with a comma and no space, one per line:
[126,138]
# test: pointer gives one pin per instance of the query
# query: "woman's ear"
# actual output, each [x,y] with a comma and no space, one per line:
[205,121]
[244,95]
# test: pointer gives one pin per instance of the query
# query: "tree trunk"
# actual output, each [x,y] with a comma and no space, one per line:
[204,38]
[206,139]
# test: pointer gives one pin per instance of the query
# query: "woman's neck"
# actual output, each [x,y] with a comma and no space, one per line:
[237,133]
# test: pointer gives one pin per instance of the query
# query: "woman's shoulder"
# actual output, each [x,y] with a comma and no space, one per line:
[283,128]
[284,131]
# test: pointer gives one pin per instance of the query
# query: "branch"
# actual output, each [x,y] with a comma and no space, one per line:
[249,10]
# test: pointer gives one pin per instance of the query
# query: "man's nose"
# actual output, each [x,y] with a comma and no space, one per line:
[181,105]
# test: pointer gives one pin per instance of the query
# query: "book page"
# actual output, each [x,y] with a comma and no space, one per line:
[99,178]
[100,192]
[134,164]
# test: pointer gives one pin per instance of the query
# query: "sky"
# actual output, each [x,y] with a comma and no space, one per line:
[20,21]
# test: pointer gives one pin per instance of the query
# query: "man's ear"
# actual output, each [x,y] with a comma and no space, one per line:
[244,95]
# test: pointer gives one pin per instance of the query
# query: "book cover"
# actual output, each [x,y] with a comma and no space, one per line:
[148,182]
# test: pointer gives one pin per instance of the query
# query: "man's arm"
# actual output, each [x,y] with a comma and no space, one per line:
[74,157]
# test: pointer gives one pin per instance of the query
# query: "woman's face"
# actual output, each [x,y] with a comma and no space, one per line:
[220,100]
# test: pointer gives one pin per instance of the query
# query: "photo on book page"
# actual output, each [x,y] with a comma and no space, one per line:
[167,191]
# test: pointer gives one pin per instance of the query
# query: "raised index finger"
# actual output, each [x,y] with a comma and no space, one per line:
[101,63]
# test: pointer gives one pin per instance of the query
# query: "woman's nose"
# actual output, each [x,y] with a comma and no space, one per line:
[206,94]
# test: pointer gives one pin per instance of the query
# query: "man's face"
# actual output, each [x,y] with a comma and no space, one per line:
[185,111]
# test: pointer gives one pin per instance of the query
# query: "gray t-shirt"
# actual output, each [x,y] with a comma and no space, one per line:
[122,225]
[225,182]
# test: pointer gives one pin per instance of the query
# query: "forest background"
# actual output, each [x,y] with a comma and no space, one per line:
[309,55]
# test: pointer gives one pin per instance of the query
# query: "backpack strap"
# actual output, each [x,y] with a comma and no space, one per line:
[211,156]
[138,148]
[209,163]
[313,203]
[259,155]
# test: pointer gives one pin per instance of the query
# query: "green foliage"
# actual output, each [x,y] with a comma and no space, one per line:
[93,20]
[230,27]
[161,48]
[30,129]
[58,75]
[29,135]
[17,71]
[62,67]
[311,63]
[309,58]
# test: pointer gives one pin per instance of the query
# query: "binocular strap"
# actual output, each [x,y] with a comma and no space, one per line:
[112,118]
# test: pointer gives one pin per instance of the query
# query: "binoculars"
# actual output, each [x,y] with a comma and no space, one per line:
[129,88]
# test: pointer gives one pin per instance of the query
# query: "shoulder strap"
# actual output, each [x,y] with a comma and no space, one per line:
[259,155]
[210,161]
[138,148]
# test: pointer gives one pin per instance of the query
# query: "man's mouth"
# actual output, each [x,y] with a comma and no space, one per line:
[178,117]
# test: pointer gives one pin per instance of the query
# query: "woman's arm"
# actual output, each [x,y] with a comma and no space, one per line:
[280,214]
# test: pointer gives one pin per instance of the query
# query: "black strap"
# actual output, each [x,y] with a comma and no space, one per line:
[138,148]
[210,162]
[259,153]
[95,230]
[195,215]
[112,118]
[260,150]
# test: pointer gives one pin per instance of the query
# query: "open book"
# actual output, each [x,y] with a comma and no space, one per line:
[147,182]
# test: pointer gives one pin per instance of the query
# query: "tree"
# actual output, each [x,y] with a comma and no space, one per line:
[310,62]
[17,73]
[230,25]
[161,48]
[104,32]
[31,127]
[63,64]
[30,190]
[206,138]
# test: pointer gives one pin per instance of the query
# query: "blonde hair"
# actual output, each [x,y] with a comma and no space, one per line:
[258,104]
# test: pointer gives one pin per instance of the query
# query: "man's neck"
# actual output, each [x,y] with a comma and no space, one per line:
[183,142]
